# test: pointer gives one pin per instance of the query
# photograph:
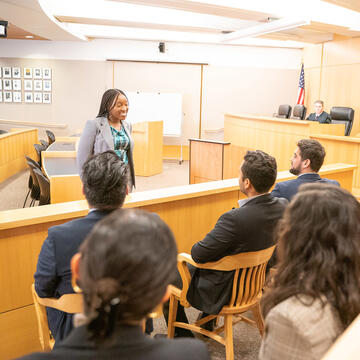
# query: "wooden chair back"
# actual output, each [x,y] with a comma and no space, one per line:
[70,303]
[249,276]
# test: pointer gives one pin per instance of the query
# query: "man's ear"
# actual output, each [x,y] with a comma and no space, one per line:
[75,265]
[307,163]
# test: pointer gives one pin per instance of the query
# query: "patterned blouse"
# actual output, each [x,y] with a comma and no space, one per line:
[121,143]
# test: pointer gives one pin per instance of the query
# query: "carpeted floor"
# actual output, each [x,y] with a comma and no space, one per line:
[246,338]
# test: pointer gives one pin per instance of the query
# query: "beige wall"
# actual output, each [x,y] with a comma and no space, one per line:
[77,87]
[332,74]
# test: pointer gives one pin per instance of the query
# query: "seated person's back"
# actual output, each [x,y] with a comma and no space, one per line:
[315,294]
[124,268]
[305,164]
[104,186]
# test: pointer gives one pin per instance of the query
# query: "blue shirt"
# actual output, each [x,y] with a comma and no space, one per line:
[121,143]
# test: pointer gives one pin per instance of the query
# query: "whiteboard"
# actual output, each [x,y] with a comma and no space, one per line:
[166,107]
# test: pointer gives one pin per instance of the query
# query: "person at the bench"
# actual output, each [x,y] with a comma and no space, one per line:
[247,228]
[105,187]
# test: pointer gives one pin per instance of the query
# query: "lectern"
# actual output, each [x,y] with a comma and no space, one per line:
[213,160]
[148,149]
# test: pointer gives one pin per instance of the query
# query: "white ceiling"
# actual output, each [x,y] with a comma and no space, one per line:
[288,23]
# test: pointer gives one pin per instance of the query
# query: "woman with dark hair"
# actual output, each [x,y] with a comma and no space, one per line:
[124,268]
[109,131]
[316,290]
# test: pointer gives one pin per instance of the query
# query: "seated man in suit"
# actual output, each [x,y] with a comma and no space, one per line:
[247,228]
[319,115]
[104,186]
[305,163]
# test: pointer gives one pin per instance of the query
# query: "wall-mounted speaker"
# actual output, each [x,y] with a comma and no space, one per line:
[162,47]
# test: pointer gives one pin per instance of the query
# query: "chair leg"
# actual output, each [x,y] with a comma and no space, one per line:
[229,342]
[26,198]
[172,316]
[256,310]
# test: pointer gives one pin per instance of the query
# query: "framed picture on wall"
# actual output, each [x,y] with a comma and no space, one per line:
[46,73]
[7,84]
[46,98]
[37,97]
[47,85]
[37,73]
[7,72]
[16,72]
[28,97]
[38,85]
[7,96]
[28,85]
[27,73]
[16,84]
[17,96]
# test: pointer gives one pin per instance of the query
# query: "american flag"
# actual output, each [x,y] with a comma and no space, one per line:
[301,91]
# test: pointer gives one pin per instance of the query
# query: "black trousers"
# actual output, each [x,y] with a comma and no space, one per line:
[180,315]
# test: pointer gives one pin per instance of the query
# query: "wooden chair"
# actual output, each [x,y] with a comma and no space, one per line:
[70,303]
[249,279]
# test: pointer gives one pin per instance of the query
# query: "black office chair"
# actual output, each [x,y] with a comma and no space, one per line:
[39,148]
[299,112]
[342,115]
[284,112]
[44,143]
[44,187]
[3,132]
[51,136]
[35,187]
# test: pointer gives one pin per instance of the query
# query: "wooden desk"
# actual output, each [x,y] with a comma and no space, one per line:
[342,149]
[59,165]
[214,160]
[13,148]
[277,137]
[191,211]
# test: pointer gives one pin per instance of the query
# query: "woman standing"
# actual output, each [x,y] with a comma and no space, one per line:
[316,290]
[109,131]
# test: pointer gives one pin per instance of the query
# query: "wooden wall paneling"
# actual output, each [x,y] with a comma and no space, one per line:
[19,333]
[312,88]
[342,52]
[277,138]
[312,56]
[14,146]
[340,87]
[342,149]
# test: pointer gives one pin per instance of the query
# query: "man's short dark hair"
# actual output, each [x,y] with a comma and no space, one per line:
[311,149]
[105,180]
[261,169]
[319,102]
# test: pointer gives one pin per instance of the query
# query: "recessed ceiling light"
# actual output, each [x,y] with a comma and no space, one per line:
[29,36]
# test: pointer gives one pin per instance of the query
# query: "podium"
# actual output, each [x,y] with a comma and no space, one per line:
[214,160]
[148,149]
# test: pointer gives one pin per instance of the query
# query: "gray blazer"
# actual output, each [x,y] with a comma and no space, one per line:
[97,138]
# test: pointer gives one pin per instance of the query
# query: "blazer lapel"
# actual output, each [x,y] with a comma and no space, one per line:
[106,132]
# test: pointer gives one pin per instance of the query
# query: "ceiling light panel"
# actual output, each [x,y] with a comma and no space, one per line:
[110,10]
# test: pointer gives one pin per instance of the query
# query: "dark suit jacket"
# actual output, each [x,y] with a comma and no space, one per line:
[128,343]
[324,118]
[248,228]
[53,273]
[288,189]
